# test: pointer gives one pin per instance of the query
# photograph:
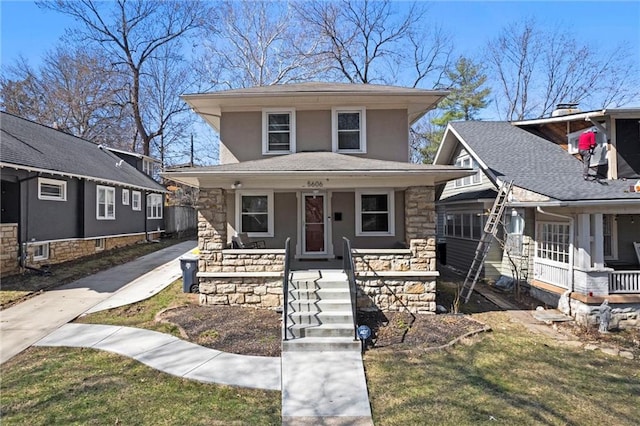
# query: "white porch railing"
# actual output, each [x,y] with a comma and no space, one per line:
[551,272]
[624,282]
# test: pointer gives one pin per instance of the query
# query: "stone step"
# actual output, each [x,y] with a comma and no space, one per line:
[308,344]
[319,318]
[321,331]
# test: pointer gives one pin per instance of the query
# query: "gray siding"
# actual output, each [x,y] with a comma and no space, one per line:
[47,219]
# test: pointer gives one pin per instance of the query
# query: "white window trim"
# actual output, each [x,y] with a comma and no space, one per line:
[270,213]
[150,206]
[107,189]
[614,238]
[125,197]
[459,183]
[45,252]
[265,130]
[391,213]
[61,183]
[363,129]
[134,195]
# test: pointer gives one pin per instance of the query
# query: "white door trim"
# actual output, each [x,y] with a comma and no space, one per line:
[328,244]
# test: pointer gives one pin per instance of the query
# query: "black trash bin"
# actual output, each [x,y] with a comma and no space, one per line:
[189,266]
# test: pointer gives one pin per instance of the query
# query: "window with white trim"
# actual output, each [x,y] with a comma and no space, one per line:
[148,167]
[278,131]
[52,189]
[254,213]
[154,206]
[610,236]
[349,130]
[125,197]
[99,244]
[553,241]
[467,162]
[375,213]
[40,251]
[136,197]
[105,203]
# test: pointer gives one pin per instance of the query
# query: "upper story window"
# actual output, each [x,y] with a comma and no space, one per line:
[348,130]
[52,189]
[135,200]
[106,203]
[154,206]
[254,213]
[375,213]
[278,131]
[467,162]
[148,167]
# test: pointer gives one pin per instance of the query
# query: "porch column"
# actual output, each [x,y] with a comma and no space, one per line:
[598,242]
[212,228]
[420,227]
[584,242]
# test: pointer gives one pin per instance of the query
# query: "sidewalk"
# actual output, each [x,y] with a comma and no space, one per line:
[24,324]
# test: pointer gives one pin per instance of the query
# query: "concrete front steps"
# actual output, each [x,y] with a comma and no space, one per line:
[320,317]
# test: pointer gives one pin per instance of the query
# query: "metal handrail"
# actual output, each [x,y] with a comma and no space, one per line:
[349,269]
[285,287]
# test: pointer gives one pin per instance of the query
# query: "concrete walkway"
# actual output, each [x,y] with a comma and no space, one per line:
[24,324]
[171,355]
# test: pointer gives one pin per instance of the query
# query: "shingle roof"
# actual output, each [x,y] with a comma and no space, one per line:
[316,162]
[534,163]
[30,145]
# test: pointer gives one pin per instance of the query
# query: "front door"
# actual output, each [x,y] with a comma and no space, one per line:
[314,225]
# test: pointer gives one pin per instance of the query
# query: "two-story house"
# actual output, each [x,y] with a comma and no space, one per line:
[64,197]
[574,242]
[316,162]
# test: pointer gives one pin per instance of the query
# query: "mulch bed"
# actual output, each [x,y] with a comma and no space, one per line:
[250,331]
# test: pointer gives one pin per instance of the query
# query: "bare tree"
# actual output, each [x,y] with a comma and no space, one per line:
[75,90]
[256,44]
[375,42]
[130,34]
[537,69]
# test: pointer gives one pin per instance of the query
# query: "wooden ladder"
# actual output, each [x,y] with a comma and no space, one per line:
[490,232]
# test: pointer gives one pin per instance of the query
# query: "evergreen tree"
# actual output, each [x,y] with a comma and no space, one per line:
[466,100]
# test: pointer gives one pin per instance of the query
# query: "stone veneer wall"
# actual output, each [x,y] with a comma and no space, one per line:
[258,261]
[9,249]
[420,227]
[258,292]
[397,294]
[212,228]
[64,251]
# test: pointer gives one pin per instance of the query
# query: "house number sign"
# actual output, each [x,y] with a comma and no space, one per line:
[314,184]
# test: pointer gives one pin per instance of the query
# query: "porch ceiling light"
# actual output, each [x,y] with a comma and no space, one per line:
[236,185]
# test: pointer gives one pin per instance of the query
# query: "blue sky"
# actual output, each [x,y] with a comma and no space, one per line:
[30,31]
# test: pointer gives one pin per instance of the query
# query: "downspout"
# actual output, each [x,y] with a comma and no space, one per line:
[571,246]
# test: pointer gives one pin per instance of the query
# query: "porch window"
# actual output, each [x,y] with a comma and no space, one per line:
[41,251]
[467,162]
[348,130]
[610,235]
[553,242]
[52,189]
[464,225]
[278,131]
[105,203]
[154,206]
[375,213]
[254,213]
[135,200]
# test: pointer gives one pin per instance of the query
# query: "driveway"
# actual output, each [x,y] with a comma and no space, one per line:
[25,323]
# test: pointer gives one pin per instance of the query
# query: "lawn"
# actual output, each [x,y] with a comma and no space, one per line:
[509,376]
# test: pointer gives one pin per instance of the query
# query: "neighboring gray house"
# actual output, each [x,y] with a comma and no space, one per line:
[64,197]
[564,235]
[316,162]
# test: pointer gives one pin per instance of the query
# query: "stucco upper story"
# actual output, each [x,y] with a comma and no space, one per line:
[355,119]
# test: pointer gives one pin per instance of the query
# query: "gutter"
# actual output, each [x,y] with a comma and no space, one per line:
[571,245]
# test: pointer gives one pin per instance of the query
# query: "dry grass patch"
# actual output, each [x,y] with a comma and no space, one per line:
[508,376]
